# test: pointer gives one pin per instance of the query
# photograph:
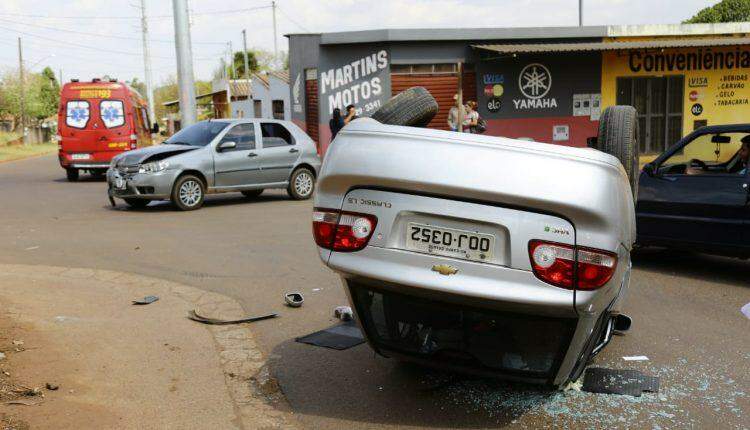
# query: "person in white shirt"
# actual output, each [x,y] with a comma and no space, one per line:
[472,117]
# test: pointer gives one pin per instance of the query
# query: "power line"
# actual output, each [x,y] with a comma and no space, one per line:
[120,17]
[79,45]
[292,20]
[110,36]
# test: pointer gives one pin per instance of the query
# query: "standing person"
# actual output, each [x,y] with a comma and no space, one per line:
[472,118]
[336,123]
[351,114]
[453,114]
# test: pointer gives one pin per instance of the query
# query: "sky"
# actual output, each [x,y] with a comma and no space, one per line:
[91,38]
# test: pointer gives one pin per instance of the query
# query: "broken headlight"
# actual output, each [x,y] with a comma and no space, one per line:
[156,166]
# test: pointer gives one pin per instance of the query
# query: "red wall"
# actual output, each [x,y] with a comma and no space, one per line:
[540,129]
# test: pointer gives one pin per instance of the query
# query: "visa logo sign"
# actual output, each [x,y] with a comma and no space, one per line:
[698,82]
[493,78]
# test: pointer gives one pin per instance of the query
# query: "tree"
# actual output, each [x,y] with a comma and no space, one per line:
[139,86]
[724,11]
[257,59]
[49,93]
[41,94]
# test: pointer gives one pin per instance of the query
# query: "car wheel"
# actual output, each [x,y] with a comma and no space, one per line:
[188,193]
[301,184]
[72,174]
[413,107]
[618,136]
[137,203]
[251,194]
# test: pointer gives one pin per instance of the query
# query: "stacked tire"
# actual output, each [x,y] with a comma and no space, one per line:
[618,136]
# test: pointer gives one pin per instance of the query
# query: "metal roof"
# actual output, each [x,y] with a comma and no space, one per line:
[517,33]
[199,96]
[609,46]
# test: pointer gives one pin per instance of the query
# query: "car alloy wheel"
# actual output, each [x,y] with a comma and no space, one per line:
[303,184]
[190,193]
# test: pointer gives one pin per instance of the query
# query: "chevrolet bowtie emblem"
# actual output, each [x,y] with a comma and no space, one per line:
[444,269]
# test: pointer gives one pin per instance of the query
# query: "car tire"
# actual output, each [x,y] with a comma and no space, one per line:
[137,203]
[414,107]
[301,184]
[188,193]
[251,194]
[71,174]
[618,136]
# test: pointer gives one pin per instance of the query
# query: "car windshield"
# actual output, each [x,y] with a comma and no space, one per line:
[198,134]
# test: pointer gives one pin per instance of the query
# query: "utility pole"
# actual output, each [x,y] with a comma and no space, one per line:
[275,43]
[580,13]
[61,82]
[23,91]
[244,54]
[231,60]
[184,63]
[147,65]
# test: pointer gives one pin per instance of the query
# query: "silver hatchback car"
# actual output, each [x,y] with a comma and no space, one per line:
[215,156]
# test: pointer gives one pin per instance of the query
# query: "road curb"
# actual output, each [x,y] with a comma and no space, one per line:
[258,401]
[28,157]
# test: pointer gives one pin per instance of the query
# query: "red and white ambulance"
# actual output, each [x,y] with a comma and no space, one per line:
[98,120]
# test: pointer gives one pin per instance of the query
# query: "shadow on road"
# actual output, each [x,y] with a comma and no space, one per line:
[709,268]
[356,385]
[212,201]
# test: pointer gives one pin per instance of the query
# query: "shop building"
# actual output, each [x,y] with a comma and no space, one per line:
[547,84]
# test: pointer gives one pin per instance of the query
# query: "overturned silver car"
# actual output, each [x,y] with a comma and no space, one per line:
[482,254]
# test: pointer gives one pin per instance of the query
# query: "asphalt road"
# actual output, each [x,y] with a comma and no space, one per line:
[686,310]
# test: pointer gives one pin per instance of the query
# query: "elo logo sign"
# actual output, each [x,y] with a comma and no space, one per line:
[696,109]
[494,104]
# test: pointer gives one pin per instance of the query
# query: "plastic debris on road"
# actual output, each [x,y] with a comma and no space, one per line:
[146,300]
[635,358]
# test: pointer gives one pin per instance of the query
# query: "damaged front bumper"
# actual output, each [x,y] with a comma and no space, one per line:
[126,184]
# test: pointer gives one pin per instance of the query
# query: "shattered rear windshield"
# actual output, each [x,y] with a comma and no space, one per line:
[198,134]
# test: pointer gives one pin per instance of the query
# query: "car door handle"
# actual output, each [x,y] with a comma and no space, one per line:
[252,154]
[293,150]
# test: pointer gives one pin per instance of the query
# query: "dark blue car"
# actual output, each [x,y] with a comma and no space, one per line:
[694,196]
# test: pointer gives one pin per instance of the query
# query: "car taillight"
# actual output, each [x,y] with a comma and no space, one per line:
[342,231]
[571,267]
[133,141]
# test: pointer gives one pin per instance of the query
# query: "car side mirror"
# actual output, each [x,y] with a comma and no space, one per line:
[155,128]
[650,169]
[224,146]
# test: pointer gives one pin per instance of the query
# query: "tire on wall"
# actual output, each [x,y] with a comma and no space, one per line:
[618,136]
[414,107]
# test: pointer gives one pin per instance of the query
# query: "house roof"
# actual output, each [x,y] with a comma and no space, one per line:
[240,87]
[607,46]
[517,33]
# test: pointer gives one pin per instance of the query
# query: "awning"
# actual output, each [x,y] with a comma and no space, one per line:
[609,46]
[199,96]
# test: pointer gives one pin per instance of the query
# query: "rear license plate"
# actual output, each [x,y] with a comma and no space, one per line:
[80,156]
[450,242]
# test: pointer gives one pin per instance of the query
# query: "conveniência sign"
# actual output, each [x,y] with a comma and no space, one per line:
[680,61]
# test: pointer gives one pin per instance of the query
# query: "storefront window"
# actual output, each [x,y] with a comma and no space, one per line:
[658,101]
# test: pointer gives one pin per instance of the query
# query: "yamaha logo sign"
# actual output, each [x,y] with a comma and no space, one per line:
[534,82]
